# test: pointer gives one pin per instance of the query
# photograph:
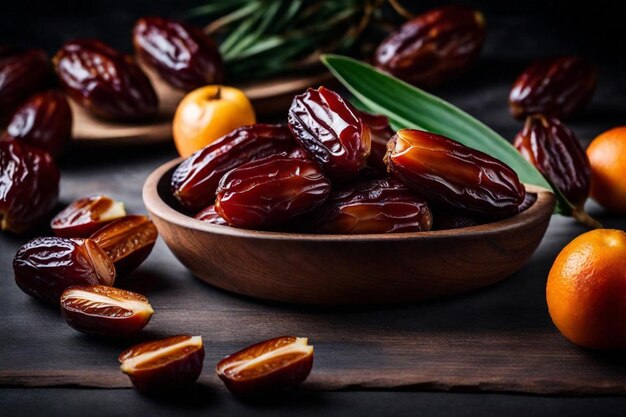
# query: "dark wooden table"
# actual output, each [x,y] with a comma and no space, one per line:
[493,351]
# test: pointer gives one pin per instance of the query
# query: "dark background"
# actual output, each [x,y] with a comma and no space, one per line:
[518,31]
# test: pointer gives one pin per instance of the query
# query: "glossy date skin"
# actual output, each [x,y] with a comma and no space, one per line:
[43,121]
[46,266]
[557,87]
[270,191]
[375,206]
[331,132]
[433,47]
[184,56]
[29,185]
[105,311]
[195,180]
[449,173]
[106,82]
[209,215]
[554,150]
[21,74]
[86,215]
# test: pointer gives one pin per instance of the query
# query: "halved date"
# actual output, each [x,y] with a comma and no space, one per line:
[127,241]
[331,132]
[169,363]
[433,47]
[273,365]
[270,191]
[447,172]
[43,121]
[555,151]
[209,215]
[554,87]
[105,311]
[29,185]
[376,206]
[184,56]
[86,215]
[47,266]
[195,180]
[106,82]
[21,74]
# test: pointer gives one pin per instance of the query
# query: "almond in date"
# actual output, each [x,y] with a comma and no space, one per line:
[105,311]
[269,366]
[164,364]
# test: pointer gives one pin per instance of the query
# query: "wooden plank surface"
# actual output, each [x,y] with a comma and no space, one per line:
[497,339]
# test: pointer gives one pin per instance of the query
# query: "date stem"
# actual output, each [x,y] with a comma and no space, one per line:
[583,217]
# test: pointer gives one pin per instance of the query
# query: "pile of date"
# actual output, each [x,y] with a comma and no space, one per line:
[333,169]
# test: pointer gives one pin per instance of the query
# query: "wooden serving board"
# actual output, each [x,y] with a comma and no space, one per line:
[267,97]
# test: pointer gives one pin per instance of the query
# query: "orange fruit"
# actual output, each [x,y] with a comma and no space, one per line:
[607,156]
[586,290]
[208,113]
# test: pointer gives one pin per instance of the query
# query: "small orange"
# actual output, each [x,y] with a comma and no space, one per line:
[208,113]
[607,156]
[586,290]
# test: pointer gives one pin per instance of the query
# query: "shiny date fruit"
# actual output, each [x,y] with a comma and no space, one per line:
[47,266]
[43,121]
[209,215]
[184,56]
[270,191]
[127,241]
[195,180]
[556,87]
[86,215]
[29,185]
[21,74]
[555,151]
[170,363]
[447,172]
[377,206]
[105,311]
[106,82]
[331,132]
[273,365]
[433,47]
[381,132]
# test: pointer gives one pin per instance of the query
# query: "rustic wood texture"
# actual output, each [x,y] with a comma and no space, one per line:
[267,97]
[346,269]
[499,338]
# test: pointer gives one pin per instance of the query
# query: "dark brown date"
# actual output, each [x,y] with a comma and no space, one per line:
[447,219]
[209,215]
[270,191]
[433,47]
[21,74]
[86,215]
[127,241]
[555,151]
[46,266]
[331,132]
[195,180]
[43,121]
[106,82]
[376,206]
[105,311]
[447,172]
[554,87]
[165,364]
[184,56]
[29,185]
[381,132]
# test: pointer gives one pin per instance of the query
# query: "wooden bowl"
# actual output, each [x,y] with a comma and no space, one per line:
[346,269]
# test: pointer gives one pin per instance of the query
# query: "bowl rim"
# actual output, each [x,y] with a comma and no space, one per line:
[543,206]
